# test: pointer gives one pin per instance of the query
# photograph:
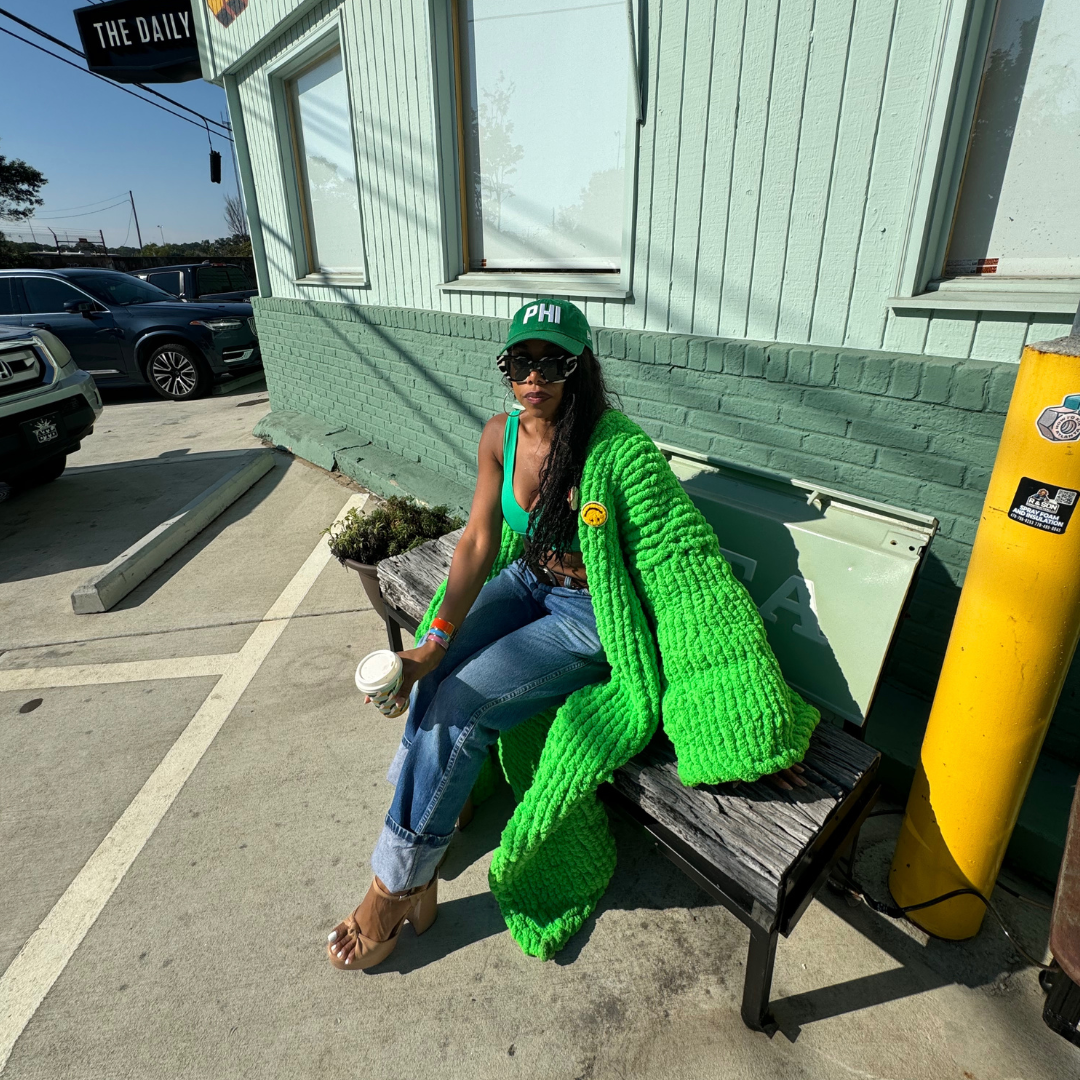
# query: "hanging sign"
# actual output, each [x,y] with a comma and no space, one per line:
[146,41]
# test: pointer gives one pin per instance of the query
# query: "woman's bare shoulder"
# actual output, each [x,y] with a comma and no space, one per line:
[497,423]
[491,438]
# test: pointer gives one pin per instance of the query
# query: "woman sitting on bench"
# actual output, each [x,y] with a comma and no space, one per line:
[586,595]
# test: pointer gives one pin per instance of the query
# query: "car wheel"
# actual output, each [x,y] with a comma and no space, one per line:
[176,373]
[45,473]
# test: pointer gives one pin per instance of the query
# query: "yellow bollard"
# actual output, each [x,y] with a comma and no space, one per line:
[1011,645]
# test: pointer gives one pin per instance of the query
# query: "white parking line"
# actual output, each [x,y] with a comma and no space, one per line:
[32,973]
[180,667]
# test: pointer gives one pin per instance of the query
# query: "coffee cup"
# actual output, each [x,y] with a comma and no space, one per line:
[379,676]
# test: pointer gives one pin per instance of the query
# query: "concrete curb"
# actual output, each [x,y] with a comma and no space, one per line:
[331,446]
[111,584]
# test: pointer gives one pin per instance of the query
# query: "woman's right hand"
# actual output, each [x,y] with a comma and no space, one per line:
[473,557]
[416,663]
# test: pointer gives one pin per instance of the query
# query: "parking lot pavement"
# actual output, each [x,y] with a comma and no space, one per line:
[136,423]
[189,791]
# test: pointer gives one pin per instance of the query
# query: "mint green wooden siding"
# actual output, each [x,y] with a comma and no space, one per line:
[775,170]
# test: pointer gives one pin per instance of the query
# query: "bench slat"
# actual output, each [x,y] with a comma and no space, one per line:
[409,581]
[725,841]
[753,833]
[841,758]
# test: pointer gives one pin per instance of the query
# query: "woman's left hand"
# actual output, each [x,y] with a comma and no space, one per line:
[786,779]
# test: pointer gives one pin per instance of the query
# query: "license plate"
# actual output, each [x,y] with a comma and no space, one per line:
[43,429]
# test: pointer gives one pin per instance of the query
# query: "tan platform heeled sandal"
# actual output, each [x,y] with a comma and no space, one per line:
[383,914]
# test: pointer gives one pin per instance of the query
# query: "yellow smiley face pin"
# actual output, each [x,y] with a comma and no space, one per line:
[594,513]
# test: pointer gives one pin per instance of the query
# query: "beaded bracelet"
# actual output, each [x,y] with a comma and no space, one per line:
[440,637]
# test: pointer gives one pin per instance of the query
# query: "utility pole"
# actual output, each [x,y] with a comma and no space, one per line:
[136,216]
[103,247]
[55,241]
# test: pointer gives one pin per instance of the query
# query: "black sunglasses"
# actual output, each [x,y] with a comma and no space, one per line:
[552,369]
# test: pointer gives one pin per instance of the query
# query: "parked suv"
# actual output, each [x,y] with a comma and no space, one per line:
[128,332]
[205,281]
[47,406]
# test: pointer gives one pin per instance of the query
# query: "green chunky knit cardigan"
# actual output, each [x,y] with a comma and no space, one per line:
[657,580]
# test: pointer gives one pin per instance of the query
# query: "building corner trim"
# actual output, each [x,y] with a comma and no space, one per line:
[247,182]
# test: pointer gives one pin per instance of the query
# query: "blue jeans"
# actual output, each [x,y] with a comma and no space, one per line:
[524,647]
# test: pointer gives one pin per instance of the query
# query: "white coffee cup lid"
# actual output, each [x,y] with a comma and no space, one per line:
[377,671]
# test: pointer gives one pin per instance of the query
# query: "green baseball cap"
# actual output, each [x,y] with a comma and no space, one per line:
[557,321]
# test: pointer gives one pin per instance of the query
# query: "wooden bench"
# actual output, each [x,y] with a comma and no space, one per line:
[761,852]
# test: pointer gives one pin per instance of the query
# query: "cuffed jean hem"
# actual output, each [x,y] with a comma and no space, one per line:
[403,859]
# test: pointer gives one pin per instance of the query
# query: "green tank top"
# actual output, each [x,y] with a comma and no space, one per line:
[513,514]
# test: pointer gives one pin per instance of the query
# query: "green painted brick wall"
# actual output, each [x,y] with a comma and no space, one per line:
[915,431]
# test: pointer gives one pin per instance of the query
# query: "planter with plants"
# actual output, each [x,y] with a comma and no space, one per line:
[361,541]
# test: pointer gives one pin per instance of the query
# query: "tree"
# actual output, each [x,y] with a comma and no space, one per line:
[235,218]
[499,154]
[19,187]
[594,225]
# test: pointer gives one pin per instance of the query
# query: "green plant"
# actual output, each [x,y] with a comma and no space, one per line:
[398,525]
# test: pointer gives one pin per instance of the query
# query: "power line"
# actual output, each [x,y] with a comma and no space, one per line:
[78,52]
[86,71]
[87,213]
[82,206]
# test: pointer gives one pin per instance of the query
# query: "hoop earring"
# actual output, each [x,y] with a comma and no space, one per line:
[509,403]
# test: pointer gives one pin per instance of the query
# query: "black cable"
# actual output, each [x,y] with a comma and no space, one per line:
[1025,899]
[894,911]
[139,97]
[85,213]
[83,206]
[1000,885]
[79,52]
[123,243]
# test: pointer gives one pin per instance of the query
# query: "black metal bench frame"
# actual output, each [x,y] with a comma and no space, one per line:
[396,621]
[837,838]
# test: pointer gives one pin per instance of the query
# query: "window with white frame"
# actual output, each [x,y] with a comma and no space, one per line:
[545,106]
[1018,214]
[325,161]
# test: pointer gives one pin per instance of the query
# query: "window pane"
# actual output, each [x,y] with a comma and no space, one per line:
[1018,212]
[10,297]
[47,296]
[170,282]
[329,165]
[545,94]
[212,279]
[113,288]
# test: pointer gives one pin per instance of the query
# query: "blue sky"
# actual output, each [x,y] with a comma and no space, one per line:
[92,141]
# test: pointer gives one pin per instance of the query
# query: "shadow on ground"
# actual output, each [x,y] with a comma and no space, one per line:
[90,515]
[645,880]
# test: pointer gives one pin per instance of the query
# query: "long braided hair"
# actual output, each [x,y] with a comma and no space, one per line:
[553,521]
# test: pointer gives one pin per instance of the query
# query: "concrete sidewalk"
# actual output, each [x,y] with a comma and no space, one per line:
[207,960]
